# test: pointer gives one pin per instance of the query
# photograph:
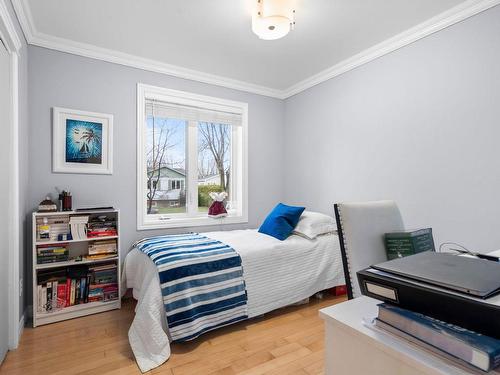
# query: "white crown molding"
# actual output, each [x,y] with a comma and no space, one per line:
[450,17]
[116,57]
[34,37]
[23,13]
[7,30]
[441,21]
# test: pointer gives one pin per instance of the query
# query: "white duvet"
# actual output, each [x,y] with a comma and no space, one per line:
[277,274]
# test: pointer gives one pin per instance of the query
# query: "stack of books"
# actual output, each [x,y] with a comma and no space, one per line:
[51,290]
[103,293]
[104,286]
[453,342]
[76,285]
[52,254]
[58,226]
[78,226]
[102,250]
[102,226]
[62,288]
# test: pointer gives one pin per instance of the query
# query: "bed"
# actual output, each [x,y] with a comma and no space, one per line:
[276,273]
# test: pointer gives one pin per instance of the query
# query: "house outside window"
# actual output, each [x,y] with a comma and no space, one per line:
[189,145]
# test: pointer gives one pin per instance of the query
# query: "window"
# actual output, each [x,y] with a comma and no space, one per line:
[188,146]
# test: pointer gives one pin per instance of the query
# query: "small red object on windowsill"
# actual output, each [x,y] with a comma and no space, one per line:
[217,208]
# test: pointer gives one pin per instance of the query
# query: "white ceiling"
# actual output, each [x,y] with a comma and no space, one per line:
[215,37]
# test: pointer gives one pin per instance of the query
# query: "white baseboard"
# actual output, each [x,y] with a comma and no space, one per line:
[22,321]
[13,345]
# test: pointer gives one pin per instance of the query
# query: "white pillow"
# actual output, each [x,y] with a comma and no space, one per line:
[313,224]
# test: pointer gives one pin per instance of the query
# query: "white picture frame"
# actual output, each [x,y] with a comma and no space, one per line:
[82,142]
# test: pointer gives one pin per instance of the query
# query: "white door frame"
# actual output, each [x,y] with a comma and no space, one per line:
[11,40]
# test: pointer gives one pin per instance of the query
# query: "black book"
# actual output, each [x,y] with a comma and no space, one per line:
[49,296]
[87,288]
[77,292]
[94,209]
[77,272]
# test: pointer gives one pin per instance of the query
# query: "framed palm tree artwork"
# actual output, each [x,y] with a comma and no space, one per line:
[82,142]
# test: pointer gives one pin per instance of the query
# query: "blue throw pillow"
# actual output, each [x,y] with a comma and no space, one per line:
[281,221]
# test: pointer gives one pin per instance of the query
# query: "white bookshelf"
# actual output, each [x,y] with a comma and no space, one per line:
[77,247]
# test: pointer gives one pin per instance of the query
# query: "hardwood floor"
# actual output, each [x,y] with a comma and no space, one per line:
[288,341]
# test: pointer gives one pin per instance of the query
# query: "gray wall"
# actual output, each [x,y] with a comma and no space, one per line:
[420,126]
[64,80]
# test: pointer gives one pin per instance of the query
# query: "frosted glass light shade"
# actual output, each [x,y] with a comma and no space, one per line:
[273,19]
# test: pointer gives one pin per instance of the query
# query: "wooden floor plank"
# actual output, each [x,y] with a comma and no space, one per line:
[288,341]
[298,365]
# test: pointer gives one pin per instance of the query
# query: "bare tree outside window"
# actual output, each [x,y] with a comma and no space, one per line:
[162,140]
[215,138]
[214,161]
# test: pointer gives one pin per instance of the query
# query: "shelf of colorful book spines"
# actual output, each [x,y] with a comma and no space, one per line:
[76,285]
[96,250]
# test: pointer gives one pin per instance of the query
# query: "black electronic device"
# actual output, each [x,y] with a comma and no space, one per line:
[464,293]
[463,274]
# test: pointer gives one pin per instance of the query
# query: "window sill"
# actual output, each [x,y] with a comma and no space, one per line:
[202,221]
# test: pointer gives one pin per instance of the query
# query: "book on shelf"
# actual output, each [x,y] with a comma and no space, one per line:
[473,348]
[57,225]
[403,243]
[72,292]
[102,233]
[102,250]
[61,293]
[104,274]
[52,254]
[106,208]
[78,225]
[103,247]
[76,285]
[105,282]
[50,286]
[100,256]
[102,226]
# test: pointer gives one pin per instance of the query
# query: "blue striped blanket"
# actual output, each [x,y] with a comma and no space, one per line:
[201,281]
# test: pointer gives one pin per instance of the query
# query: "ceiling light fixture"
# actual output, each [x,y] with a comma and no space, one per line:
[273,19]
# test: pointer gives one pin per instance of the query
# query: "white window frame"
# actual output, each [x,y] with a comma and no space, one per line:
[145,221]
